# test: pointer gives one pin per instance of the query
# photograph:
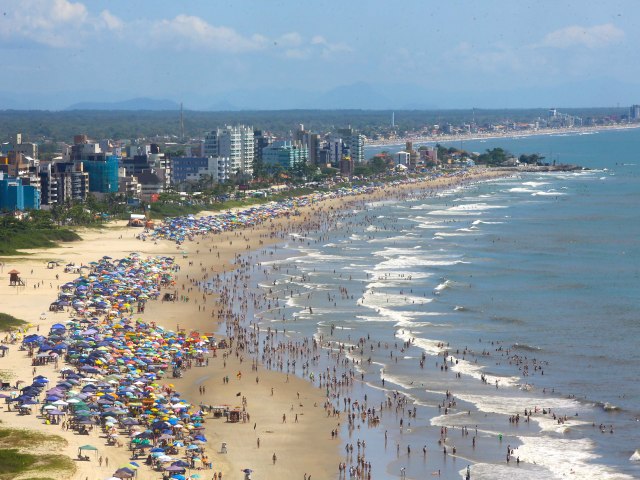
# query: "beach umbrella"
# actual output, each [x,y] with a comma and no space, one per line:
[124,473]
[174,468]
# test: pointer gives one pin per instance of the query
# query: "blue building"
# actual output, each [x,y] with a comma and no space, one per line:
[103,172]
[183,168]
[15,196]
[285,153]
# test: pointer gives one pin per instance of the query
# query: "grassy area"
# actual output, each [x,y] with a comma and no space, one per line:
[13,463]
[7,322]
[11,241]
[17,461]
[15,438]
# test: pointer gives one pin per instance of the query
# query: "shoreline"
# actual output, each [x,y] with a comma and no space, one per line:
[27,303]
[489,136]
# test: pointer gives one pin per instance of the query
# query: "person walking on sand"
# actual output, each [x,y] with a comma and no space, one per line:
[274,458]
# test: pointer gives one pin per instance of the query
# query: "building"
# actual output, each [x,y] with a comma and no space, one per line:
[260,141]
[336,149]
[151,185]
[403,158]
[63,181]
[286,154]
[192,169]
[102,167]
[16,164]
[103,173]
[354,143]
[356,148]
[413,155]
[155,162]
[129,186]
[16,196]
[428,156]
[313,145]
[16,145]
[634,112]
[346,167]
[311,141]
[234,142]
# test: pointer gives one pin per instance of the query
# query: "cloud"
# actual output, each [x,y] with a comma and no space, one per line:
[329,50]
[111,21]
[53,23]
[44,22]
[65,11]
[589,37]
[69,23]
[291,39]
[187,31]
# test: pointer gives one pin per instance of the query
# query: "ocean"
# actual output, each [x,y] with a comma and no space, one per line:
[531,286]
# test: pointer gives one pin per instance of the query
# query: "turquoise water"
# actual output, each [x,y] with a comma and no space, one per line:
[537,266]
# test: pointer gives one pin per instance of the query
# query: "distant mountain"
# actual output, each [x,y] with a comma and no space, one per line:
[360,95]
[132,104]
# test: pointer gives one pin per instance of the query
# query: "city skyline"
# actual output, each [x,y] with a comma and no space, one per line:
[263,55]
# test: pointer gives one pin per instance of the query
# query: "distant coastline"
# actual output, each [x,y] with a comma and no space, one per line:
[486,136]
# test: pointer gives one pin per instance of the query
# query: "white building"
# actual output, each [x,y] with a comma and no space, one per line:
[218,168]
[403,158]
[234,142]
[356,148]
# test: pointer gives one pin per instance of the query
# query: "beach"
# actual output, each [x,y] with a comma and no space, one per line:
[302,447]
[418,140]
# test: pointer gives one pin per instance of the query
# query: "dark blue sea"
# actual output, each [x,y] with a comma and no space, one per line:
[530,283]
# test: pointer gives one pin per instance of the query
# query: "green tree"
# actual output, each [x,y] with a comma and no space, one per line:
[495,156]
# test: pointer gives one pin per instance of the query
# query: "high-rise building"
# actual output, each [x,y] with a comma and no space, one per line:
[336,149]
[285,153]
[354,142]
[62,181]
[309,140]
[260,141]
[16,196]
[634,112]
[192,169]
[234,142]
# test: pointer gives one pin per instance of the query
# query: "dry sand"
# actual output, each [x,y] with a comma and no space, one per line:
[303,447]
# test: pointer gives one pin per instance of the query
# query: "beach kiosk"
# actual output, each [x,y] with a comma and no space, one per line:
[137,220]
[234,415]
[14,278]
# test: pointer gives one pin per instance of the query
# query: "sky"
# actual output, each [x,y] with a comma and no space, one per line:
[429,54]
